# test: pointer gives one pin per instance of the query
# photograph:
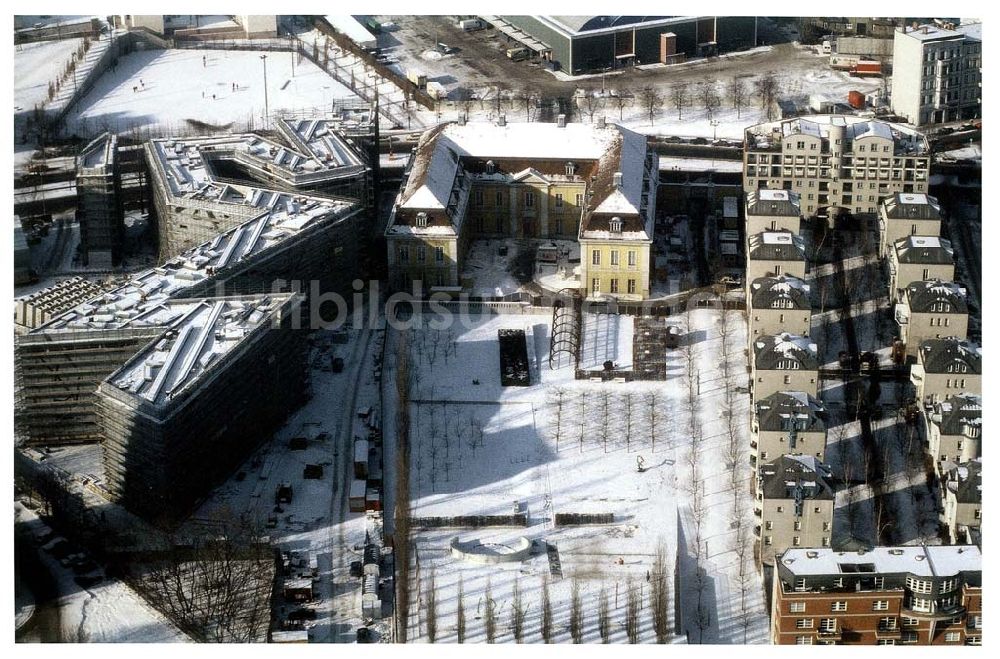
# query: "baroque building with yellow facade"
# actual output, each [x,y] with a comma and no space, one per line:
[593,184]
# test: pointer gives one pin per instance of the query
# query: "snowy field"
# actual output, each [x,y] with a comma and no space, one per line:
[482,449]
[168,88]
[35,66]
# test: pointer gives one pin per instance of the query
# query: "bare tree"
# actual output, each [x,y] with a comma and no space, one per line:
[632,605]
[708,95]
[430,601]
[590,102]
[517,613]
[738,94]
[660,594]
[460,612]
[622,97]
[576,613]
[629,408]
[490,615]
[546,621]
[653,400]
[558,400]
[651,101]
[529,97]
[604,617]
[766,88]
[605,416]
[680,97]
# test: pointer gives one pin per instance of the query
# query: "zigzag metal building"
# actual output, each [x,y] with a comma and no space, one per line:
[186,367]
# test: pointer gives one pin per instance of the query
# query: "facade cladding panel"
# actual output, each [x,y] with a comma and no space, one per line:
[584,53]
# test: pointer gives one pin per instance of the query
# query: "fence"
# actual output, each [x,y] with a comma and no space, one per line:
[471,521]
[574,519]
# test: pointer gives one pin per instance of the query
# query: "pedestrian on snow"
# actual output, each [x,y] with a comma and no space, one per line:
[213,97]
[203,64]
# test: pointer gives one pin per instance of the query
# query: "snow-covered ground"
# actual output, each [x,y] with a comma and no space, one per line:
[167,88]
[108,612]
[35,66]
[483,449]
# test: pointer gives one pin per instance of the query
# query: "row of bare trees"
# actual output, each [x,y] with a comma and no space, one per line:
[401,532]
[490,611]
[571,421]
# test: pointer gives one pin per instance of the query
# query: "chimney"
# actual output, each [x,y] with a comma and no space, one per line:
[602,122]
[502,121]
[618,180]
[924,30]
[461,119]
[561,121]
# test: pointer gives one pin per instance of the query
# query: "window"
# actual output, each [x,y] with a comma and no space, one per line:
[796,541]
[886,623]
[479,197]
[439,254]
[910,622]
[559,225]
[768,525]
[529,199]
[880,605]
[767,543]
[499,199]
[615,225]
[579,200]
[788,379]
[952,637]
[804,623]
[631,258]
[803,640]
[614,257]
[595,285]
[440,279]
[404,254]
[828,625]
[614,285]
[908,637]
[499,224]
[886,641]
[559,201]
[797,526]
[421,219]
[797,607]
[631,291]
[975,622]
[918,585]
[595,257]
[838,606]
[421,254]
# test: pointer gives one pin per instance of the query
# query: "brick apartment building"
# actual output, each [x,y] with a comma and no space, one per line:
[885,596]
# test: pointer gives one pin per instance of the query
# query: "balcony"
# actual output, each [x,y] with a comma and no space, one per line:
[894,633]
[835,633]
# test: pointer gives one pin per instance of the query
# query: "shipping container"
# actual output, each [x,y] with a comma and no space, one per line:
[867,68]
[856,100]
[471,24]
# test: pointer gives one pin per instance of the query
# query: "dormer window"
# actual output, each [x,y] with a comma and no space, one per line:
[491,167]
[616,225]
[571,169]
[421,220]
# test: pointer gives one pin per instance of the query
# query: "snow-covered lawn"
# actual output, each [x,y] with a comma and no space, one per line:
[482,449]
[36,65]
[167,88]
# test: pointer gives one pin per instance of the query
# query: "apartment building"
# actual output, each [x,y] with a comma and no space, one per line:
[885,596]
[962,499]
[775,253]
[595,184]
[937,72]
[773,210]
[794,505]
[778,304]
[903,215]
[931,309]
[945,367]
[836,163]
[99,212]
[787,423]
[784,362]
[919,258]
[954,429]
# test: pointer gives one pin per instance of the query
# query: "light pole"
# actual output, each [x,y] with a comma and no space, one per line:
[263,58]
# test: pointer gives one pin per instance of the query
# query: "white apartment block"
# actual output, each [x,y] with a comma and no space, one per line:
[937,73]
[836,163]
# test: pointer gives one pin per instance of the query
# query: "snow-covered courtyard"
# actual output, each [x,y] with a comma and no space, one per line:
[567,447]
[168,89]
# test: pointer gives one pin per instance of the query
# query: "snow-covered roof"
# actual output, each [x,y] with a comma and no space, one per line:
[910,206]
[927,296]
[279,216]
[922,561]
[777,245]
[906,140]
[772,351]
[449,155]
[938,355]
[780,203]
[795,477]
[764,291]
[932,32]
[965,481]
[204,333]
[956,413]
[924,249]
[783,409]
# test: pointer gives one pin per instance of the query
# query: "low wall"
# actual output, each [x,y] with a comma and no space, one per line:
[475,552]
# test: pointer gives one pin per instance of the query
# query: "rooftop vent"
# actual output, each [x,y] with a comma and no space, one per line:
[561,121]
[570,169]
[491,167]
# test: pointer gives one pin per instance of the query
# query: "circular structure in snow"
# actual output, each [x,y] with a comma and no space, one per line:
[432,55]
[475,551]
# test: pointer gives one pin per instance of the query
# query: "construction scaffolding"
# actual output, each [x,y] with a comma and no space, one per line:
[98,187]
